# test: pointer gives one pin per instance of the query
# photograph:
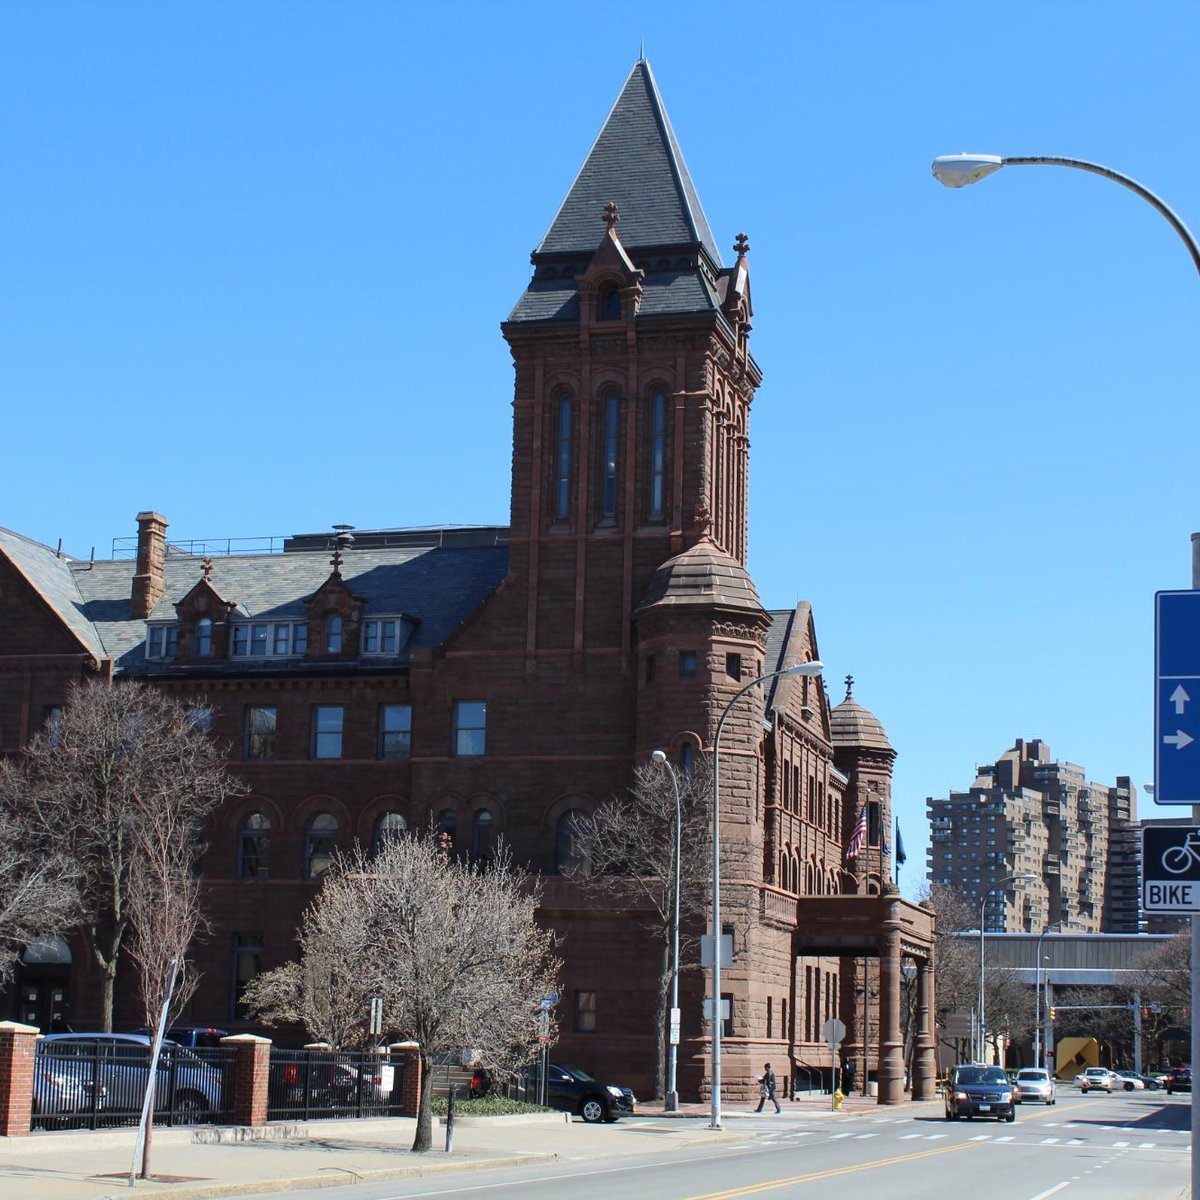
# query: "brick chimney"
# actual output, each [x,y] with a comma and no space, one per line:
[148,584]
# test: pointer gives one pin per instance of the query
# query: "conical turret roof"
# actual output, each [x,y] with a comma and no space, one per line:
[852,725]
[703,576]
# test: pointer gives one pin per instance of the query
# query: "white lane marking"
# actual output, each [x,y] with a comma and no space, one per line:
[1006,1138]
[1075,1142]
[1145,1145]
[908,1136]
[981,1137]
[1058,1187]
[1120,1145]
[933,1137]
[858,1137]
[1050,1141]
[837,1137]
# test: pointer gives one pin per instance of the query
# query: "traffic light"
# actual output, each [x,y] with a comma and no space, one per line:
[1052,1011]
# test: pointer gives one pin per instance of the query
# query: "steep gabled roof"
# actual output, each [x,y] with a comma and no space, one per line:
[636,162]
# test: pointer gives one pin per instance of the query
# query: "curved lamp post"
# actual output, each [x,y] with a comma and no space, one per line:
[808,668]
[958,170]
[672,1098]
[1037,995]
[1019,878]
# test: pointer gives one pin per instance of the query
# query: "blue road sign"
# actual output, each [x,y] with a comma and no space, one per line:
[1177,697]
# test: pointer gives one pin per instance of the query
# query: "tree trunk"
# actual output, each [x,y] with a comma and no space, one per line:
[423,1141]
[107,990]
[660,1019]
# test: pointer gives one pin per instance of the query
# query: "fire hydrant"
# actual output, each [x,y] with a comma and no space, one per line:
[838,1097]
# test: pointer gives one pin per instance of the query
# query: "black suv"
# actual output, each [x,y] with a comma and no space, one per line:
[974,1090]
[575,1091]
[1179,1080]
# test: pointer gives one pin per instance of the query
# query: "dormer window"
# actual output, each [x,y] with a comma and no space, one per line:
[162,641]
[382,635]
[203,638]
[270,639]
[609,308]
[333,633]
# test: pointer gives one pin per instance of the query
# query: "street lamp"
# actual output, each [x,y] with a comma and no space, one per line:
[1037,994]
[1019,878]
[810,669]
[958,170]
[672,1098]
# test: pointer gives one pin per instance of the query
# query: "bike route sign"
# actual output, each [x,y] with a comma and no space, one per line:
[1177,697]
[1170,868]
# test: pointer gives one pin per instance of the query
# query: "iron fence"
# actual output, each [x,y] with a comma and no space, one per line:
[333,1083]
[98,1083]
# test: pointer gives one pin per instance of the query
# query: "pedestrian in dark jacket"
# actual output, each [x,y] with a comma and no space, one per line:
[766,1089]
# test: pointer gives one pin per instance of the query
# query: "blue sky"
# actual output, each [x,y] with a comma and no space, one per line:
[255,257]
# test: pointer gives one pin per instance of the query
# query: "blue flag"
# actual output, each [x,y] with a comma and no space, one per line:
[901,857]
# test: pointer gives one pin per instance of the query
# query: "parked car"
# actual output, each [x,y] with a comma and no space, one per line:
[64,1086]
[205,1036]
[186,1086]
[1131,1081]
[975,1090]
[1098,1079]
[1179,1080]
[1035,1083]
[575,1091]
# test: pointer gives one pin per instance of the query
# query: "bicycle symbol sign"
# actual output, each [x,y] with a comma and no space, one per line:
[1170,868]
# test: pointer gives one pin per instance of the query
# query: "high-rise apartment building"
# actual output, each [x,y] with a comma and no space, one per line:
[1027,813]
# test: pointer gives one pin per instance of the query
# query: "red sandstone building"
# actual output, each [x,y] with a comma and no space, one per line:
[496,682]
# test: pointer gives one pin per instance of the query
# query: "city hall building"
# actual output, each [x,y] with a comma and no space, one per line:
[498,682]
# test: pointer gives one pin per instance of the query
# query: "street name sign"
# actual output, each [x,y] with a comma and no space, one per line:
[1177,697]
[1171,868]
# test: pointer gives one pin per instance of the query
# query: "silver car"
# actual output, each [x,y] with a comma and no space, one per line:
[1035,1083]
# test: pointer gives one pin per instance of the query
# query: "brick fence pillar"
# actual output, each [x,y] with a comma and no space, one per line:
[250,1070]
[407,1056]
[18,1047]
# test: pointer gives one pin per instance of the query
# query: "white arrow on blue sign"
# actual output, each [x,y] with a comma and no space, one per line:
[1177,697]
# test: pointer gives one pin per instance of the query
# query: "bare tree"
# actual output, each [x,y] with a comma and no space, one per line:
[626,850]
[124,759]
[453,949]
[37,890]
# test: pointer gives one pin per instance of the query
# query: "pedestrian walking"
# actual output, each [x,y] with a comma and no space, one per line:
[766,1089]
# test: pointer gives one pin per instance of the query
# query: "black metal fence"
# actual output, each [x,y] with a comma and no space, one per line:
[97,1083]
[333,1083]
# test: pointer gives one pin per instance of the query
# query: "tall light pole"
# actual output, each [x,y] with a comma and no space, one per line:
[956,170]
[1023,876]
[671,1102]
[1037,995]
[808,668]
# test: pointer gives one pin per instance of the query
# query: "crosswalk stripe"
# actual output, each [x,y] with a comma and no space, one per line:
[1049,1141]
[981,1137]
[1145,1145]
[858,1137]
[933,1137]
[1007,1138]
[908,1136]
[836,1137]
[1120,1145]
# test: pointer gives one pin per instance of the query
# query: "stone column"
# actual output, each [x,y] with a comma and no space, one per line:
[924,1066]
[890,1070]
[251,1069]
[407,1057]
[18,1047]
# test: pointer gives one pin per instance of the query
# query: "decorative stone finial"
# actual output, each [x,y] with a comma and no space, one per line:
[611,214]
[741,245]
[206,567]
[849,687]
[336,561]
[701,518]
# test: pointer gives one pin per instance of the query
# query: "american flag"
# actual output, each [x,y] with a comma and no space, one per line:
[858,838]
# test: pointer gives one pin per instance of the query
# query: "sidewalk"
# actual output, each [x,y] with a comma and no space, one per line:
[189,1164]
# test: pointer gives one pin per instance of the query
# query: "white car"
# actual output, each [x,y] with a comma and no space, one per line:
[1131,1081]
[1098,1079]
[1035,1083]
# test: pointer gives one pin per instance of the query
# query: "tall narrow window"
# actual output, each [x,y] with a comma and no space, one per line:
[585,1011]
[52,716]
[568,855]
[611,422]
[470,727]
[658,440]
[247,963]
[254,847]
[333,633]
[320,845]
[447,825]
[203,637]
[260,732]
[395,730]
[562,487]
[609,308]
[481,836]
[327,731]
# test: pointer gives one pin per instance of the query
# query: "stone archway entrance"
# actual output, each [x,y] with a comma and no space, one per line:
[890,929]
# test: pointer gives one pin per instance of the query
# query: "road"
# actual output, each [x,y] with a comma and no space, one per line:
[1121,1147]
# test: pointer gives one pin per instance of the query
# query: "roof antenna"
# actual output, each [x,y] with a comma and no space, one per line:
[642,51]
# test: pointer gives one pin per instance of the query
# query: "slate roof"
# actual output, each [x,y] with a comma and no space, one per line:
[702,576]
[436,588]
[635,161]
[852,725]
[663,293]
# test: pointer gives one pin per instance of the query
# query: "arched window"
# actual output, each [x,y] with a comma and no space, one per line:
[481,836]
[333,633]
[388,828]
[609,308]
[658,443]
[612,415]
[568,854]
[562,459]
[254,846]
[203,637]
[320,845]
[687,757]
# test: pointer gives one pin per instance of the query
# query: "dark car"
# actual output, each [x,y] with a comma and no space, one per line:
[207,1036]
[575,1091]
[1179,1080]
[975,1090]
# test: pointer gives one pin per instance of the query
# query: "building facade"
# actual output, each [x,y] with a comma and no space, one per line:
[499,682]
[1028,813]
